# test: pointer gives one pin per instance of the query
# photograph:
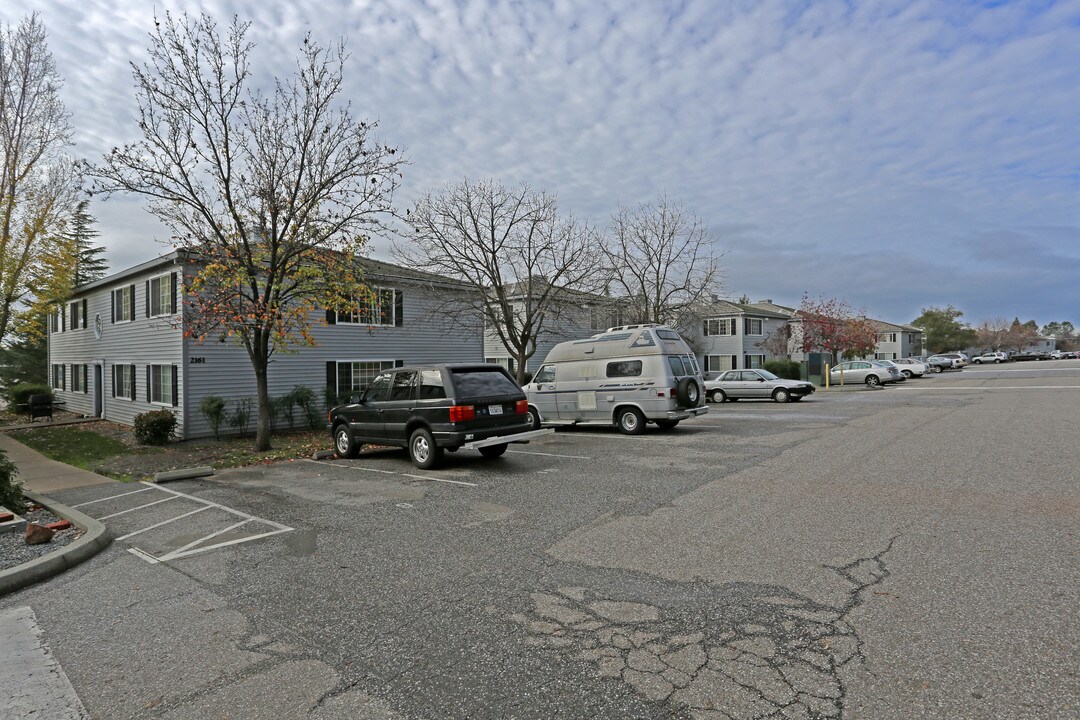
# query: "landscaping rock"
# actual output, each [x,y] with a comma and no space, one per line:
[38,534]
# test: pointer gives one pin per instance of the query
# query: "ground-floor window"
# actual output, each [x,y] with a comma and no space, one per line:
[354,377]
[719,363]
[506,362]
[123,381]
[161,382]
[58,377]
[755,361]
[78,378]
[884,356]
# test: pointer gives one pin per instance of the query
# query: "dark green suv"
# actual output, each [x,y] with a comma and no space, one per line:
[432,408]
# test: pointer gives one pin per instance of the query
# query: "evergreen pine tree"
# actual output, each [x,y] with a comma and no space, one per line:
[90,262]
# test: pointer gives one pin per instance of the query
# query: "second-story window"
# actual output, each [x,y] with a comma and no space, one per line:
[384,307]
[123,304]
[161,299]
[751,326]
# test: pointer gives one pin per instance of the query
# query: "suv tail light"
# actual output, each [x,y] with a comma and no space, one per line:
[521,407]
[461,413]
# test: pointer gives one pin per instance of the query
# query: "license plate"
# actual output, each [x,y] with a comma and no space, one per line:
[495,410]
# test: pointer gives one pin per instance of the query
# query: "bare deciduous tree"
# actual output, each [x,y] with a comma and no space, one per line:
[525,265]
[661,259]
[37,180]
[777,342]
[272,194]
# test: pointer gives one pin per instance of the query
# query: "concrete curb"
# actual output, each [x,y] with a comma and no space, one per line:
[184,474]
[96,538]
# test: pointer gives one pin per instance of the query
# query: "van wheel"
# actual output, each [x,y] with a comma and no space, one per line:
[631,421]
[781,395]
[344,444]
[422,449]
[688,392]
[667,424]
[534,419]
[493,451]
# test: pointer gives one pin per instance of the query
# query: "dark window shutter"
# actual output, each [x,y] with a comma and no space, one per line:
[331,317]
[175,384]
[131,288]
[85,375]
[399,363]
[399,308]
[148,383]
[147,298]
[63,319]
[134,394]
[112,295]
[331,375]
[172,294]
[84,312]
[113,379]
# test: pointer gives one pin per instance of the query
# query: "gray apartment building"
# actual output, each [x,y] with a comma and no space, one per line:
[117,348]
[734,336]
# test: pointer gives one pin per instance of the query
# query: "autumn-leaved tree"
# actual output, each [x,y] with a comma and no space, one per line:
[526,266]
[37,180]
[662,263]
[830,325]
[270,195]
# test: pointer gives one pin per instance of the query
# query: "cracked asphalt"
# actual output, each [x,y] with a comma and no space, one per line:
[901,553]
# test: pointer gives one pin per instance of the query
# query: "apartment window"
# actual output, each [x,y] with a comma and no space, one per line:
[78,319]
[719,363]
[161,295]
[354,377]
[884,356]
[755,361]
[123,304]
[888,337]
[78,378]
[161,384]
[751,326]
[59,377]
[384,307]
[123,377]
[720,327]
[506,362]
[56,321]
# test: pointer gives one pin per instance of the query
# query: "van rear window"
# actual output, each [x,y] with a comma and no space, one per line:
[624,368]
[482,383]
[677,368]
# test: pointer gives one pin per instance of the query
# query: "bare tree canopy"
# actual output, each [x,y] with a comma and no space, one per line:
[509,245]
[273,195]
[662,261]
[38,180]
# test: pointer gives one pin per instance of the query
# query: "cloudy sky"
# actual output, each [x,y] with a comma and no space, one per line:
[897,154]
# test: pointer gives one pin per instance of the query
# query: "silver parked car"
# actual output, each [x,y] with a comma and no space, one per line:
[871,372]
[755,383]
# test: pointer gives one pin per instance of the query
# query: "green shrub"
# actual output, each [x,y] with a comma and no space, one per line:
[283,407]
[19,394]
[788,369]
[310,410]
[241,416]
[155,427]
[212,408]
[11,495]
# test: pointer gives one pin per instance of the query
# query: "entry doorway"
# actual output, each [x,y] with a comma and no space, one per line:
[99,390]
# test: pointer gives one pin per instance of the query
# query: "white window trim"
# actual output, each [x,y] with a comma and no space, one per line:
[124,292]
[729,325]
[167,278]
[342,319]
[133,388]
[337,370]
[161,403]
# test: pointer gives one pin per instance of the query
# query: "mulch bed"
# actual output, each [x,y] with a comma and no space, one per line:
[14,550]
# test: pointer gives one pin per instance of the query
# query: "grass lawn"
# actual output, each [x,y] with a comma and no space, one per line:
[110,449]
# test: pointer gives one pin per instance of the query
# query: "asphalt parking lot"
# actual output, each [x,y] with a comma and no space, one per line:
[906,552]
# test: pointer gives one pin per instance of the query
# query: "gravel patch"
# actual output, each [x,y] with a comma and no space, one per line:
[14,550]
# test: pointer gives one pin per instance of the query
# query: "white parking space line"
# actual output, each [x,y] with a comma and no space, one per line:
[144,556]
[226,508]
[163,522]
[555,455]
[140,507]
[211,536]
[176,555]
[984,388]
[442,480]
[391,472]
[111,497]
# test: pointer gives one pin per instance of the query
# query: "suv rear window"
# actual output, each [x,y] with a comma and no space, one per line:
[482,383]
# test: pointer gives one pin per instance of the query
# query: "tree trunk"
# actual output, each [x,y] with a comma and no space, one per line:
[260,363]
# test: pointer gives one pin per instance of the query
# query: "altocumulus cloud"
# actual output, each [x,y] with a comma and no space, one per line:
[898,154]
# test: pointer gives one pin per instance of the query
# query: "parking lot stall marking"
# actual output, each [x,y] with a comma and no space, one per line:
[140,507]
[226,508]
[352,467]
[984,388]
[442,480]
[110,497]
[179,550]
[554,455]
[176,555]
[144,556]
[163,522]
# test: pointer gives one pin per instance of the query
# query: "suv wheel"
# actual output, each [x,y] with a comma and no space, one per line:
[781,395]
[631,421]
[493,451]
[422,449]
[344,444]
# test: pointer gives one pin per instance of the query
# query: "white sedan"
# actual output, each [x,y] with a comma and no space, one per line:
[911,368]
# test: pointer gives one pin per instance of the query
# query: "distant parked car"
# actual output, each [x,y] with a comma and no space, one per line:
[870,372]
[937,363]
[961,357]
[991,357]
[738,384]
[910,367]
[892,364]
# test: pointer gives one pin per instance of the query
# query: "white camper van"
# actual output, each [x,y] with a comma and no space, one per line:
[627,376]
